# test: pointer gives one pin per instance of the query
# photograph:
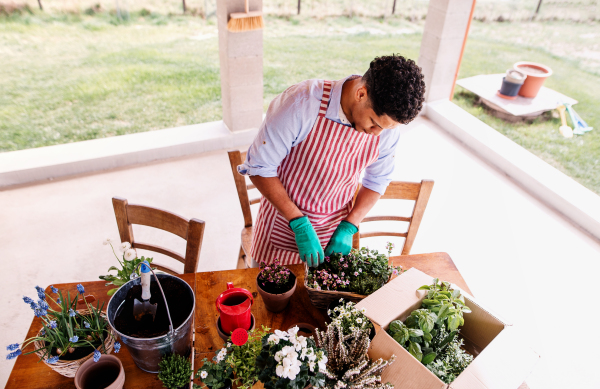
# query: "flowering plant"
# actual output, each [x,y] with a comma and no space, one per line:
[362,271]
[274,276]
[214,374]
[349,318]
[129,266]
[289,360]
[64,330]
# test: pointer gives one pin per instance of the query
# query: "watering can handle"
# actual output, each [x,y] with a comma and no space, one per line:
[230,286]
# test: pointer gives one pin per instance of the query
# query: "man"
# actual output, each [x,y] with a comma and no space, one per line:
[317,138]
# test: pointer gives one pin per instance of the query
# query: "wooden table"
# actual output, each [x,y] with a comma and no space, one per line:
[28,374]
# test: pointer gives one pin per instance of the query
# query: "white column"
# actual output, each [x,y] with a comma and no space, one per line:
[241,57]
[441,47]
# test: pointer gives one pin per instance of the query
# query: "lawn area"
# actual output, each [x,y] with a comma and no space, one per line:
[72,77]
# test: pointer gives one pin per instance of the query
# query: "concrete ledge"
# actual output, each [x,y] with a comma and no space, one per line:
[571,199]
[27,166]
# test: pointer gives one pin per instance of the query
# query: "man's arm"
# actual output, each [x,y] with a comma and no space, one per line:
[365,200]
[273,190]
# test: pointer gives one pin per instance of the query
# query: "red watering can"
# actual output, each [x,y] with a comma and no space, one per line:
[234,307]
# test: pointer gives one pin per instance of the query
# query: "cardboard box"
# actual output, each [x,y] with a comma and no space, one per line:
[502,358]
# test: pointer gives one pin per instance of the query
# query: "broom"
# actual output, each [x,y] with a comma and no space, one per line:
[245,21]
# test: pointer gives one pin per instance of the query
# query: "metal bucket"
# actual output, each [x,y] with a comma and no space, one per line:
[148,352]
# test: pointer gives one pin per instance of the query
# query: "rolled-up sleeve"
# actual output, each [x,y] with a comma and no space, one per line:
[278,133]
[378,175]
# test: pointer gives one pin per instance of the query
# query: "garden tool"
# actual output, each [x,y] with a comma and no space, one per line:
[143,308]
[565,130]
[245,21]
[579,126]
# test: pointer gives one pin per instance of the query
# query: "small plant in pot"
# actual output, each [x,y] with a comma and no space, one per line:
[216,374]
[276,285]
[68,336]
[129,266]
[174,371]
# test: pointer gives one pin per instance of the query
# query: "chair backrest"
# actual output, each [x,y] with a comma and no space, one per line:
[236,158]
[190,230]
[419,192]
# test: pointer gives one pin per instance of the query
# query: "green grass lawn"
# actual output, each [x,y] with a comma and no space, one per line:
[69,78]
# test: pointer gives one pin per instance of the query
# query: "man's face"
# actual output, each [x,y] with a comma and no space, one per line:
[364,118]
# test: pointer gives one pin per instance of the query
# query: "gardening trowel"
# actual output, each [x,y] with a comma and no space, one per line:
[143,307]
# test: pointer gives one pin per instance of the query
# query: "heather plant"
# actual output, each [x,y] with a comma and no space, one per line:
[274,275]
[349,318]
[64,329]
[362,271]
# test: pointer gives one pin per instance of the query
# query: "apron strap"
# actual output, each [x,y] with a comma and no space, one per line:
[325,99]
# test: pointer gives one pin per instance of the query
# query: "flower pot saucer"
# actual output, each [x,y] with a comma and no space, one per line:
[304,329]
[506,97]
[225,336]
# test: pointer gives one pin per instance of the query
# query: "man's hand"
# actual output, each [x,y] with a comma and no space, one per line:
[341,240]
[309,246]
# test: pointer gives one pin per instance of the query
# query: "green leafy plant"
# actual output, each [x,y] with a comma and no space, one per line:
[129,266]
[290,361]
[362,271]
[65,330]
[174,371]
[215,374]
[242,358]
[430,334]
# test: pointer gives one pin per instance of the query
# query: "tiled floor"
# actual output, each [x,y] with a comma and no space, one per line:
[519,258]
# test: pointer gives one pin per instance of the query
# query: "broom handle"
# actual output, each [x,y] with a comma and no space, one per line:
[247,6]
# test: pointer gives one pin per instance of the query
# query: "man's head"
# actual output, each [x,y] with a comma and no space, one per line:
[390,92]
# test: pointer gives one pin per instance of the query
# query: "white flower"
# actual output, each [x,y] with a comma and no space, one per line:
[130,254]
[221,355]
[125,246]
[281,335]
[293,331]
[279,371]
[322,363]
[359,320]
[311,366]
[204,374]
[228,344]
[273,339]
[107,241]
[279,356]
[363,310]
[300,343]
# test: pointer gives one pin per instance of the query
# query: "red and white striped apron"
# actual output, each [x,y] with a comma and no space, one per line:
[320,175]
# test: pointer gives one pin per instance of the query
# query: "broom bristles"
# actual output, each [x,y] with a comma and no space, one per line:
[246,23]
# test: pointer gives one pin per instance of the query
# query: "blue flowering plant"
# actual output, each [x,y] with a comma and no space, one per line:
[66,334]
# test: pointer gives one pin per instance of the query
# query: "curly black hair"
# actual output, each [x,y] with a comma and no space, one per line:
[395,87]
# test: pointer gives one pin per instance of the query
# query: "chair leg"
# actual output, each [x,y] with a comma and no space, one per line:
[241,263]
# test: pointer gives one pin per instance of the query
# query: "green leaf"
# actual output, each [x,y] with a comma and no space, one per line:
[415,333]
[396,326]
[415,350]
[118,282]
[112,291]
[453,322]
[466,310]
[427,359]
[424,287]
[443,311]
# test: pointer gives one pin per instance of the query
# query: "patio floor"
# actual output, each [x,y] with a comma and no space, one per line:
[520,259]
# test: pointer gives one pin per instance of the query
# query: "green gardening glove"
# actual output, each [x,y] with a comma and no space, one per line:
[341,240]
[309,246]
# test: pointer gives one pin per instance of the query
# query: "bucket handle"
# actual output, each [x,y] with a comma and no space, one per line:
[163,295]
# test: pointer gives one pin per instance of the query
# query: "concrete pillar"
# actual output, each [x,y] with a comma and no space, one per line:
[241,57]
[445,33]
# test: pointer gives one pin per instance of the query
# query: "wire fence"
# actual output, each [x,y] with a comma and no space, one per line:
[486,10]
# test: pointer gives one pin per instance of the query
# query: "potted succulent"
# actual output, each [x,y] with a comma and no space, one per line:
[352,276]
[174,371]
[129,266]
[348,364]
[276,285]
[430,333]
[68,337]
[290,361]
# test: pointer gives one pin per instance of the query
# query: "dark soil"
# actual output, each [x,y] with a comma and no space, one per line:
[79,352]
[273,288]
[180,305]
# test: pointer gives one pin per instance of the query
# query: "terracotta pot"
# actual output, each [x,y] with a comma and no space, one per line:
[276,302]
[536,75]
[225,336]
[109,368]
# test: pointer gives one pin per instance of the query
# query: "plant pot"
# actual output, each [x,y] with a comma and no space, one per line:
[142,339]
[69,368]
[509,90]
[279,301]
[225,336]
[106,373]
[536,75]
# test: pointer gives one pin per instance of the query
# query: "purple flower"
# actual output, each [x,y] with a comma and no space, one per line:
[52,360]
[97,356]
[117,347]
[43,332]
[86,324]
[27,300]
[52,324]
[43,304]
[13,355]
[42,295]
[58,300]
[74,339]
[356,273]
[39,290]
[54,290]
[71,312]
[12,347]
[39,312]
[80,289]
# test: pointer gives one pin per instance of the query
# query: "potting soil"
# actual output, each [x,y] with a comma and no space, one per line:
[180,305]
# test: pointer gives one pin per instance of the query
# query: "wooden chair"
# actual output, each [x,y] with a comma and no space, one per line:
[419,192]
[190,230]
[236,158]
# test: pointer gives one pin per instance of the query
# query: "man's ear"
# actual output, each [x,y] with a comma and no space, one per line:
[361,94]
